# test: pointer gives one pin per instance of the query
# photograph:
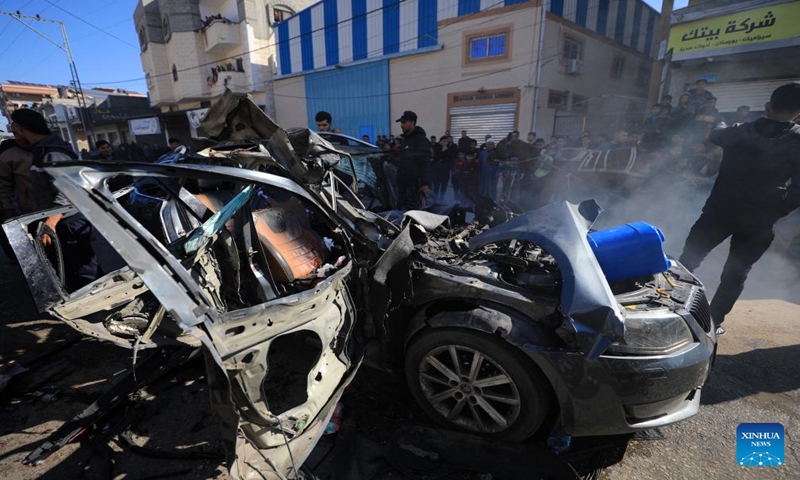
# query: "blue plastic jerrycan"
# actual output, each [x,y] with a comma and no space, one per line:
[629,251]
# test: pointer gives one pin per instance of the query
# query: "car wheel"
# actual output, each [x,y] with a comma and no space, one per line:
[476,382]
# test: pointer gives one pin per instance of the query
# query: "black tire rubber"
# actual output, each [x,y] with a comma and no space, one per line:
[534,390]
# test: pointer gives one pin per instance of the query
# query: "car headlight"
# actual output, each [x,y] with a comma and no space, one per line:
[652,333]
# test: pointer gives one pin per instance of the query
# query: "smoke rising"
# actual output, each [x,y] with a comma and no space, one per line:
[673,204]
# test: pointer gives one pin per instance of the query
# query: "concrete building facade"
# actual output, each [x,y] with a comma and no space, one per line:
[192,50]
[484,66]
[743,49]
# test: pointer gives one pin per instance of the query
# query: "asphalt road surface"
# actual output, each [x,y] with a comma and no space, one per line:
[755,379]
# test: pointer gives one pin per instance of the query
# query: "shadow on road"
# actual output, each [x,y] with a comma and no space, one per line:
[767,370]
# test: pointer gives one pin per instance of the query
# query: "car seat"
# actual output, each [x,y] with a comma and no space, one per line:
[293,250]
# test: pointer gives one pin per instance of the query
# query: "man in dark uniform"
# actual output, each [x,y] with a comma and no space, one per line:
[413,164]
[750,194]
[74,232]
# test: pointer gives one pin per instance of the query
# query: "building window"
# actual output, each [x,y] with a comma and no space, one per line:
[617,67]
[166,28]
[484,47]
[488,45]
[580,104]
[280,13]
[239,65]
[643,77]
[143,38]
[573,48]
[174,73]
[557,99]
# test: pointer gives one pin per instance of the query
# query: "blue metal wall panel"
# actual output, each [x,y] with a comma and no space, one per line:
[619,30]
[284,54]
[357,97]
[427,26]
[602,16]
[306,44]
[648,39]
[391,26]
[359,8]
[331,14]
[637,25]
[581,12]
[465,7]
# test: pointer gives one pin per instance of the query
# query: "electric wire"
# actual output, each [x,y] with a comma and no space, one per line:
[92,25]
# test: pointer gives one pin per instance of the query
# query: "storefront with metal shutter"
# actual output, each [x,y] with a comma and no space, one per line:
[731,96]
[492,112]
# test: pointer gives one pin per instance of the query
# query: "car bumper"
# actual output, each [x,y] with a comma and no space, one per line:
[623,394]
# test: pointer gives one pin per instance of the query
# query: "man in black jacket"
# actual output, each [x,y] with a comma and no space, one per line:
[74,231]
[749,195]
[413,164]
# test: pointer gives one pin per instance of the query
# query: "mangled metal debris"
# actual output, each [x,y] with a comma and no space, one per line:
[259,253]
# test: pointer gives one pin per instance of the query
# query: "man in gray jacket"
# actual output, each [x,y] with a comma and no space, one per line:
[15,186]
[750,194]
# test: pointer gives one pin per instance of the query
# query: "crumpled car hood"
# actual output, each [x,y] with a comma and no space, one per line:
[561,228]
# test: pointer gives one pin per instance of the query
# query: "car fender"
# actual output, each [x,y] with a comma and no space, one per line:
[534,340]
[487,317]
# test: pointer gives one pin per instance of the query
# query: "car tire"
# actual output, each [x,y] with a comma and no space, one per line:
[496,391]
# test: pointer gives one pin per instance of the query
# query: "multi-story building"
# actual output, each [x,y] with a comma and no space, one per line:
[192,50]
[743,49]
[485,66]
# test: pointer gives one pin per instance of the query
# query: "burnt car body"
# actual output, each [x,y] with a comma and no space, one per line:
[266,259]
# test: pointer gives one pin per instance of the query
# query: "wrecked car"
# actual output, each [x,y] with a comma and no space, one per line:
[264,258]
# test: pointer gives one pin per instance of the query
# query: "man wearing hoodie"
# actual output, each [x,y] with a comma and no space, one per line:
[750,194]
[413,164]
[74,231]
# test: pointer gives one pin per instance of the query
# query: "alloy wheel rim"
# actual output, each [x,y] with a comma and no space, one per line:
[469,389]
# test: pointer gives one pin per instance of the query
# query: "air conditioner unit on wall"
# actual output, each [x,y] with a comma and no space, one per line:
[574,67]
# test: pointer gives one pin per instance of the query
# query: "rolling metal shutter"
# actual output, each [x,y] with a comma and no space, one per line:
[753,94]
[479,120]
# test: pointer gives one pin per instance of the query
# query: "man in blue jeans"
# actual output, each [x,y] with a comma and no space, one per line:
[759,159]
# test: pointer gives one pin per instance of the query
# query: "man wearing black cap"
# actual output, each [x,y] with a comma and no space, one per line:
[74,232]
[413,163]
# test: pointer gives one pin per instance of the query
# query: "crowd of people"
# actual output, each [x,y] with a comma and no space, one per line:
[672,137]
[128,152]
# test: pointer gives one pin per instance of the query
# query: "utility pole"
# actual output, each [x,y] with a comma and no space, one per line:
[658,71]
[82,108]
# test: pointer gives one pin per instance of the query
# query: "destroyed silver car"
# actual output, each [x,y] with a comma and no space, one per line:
[264,258]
